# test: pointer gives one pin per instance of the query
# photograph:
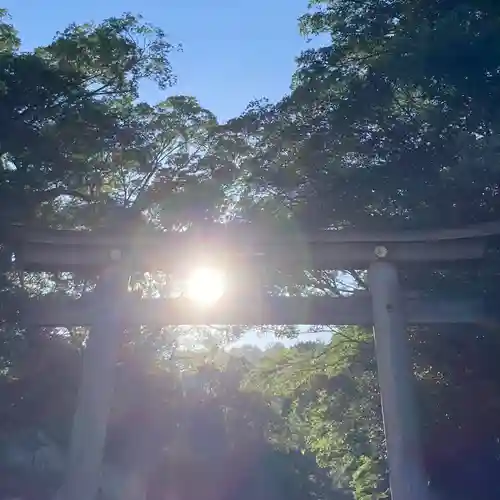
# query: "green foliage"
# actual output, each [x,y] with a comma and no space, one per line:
[393,123]
[79,150]
[114,56]
[384,119]
[329,398]
[9,39]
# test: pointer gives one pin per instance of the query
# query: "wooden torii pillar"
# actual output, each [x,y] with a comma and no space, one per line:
[407,476]
[388,309]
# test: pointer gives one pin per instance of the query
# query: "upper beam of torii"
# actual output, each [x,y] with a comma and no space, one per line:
[66,250]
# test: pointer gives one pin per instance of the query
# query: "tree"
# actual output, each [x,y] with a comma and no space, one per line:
[76,145]
[330,402]
[393,125]
[222,440]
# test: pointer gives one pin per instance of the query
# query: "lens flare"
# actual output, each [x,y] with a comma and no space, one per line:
[205,286]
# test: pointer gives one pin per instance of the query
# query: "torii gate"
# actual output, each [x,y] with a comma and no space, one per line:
[109,310]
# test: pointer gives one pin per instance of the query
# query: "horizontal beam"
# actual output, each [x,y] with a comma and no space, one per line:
[64,250]
[249,233]
[308,256]
[269,310]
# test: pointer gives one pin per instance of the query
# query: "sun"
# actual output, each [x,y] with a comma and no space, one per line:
[205,285]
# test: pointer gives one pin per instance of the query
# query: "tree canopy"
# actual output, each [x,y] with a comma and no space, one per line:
[391,124]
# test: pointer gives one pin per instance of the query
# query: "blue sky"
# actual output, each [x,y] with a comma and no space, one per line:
[233,51]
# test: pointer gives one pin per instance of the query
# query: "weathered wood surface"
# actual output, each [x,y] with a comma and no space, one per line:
[66,250]
[407,476]
[43,257]
[251,232]
[52,312]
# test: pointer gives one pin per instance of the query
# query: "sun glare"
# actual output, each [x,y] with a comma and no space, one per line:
[205,286]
